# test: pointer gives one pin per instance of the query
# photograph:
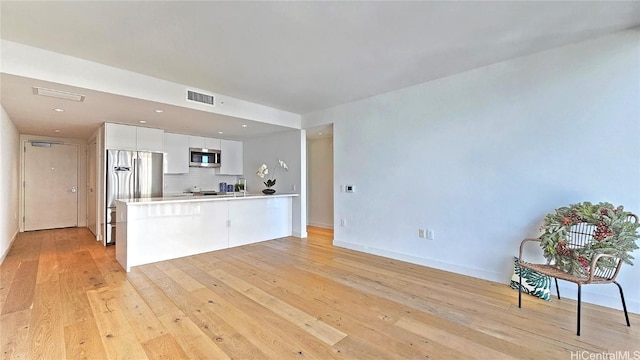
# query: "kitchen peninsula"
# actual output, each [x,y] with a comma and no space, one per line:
[156,229]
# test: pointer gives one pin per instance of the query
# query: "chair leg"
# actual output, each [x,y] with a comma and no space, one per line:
[579,303]
[557,288]
[624,305]
[520,288]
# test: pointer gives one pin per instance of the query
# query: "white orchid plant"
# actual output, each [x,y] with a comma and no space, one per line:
[264,171]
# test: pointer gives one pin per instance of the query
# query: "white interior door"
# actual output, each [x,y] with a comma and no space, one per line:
[51,186]
[92,166]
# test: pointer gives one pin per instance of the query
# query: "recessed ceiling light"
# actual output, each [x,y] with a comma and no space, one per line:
[143,121]
[220,132]
[158,111]
[57,131]
[58,109]
[319,133]
[244,125]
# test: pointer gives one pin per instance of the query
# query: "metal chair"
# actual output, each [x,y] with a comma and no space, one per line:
[580,235]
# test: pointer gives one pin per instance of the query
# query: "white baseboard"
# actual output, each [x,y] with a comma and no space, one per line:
[321,225]
[300,234]
[477,273]
[6,252]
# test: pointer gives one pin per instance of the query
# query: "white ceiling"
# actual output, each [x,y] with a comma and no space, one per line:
[294,56]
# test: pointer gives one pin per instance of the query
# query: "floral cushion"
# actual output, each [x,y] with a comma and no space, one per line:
[533,282]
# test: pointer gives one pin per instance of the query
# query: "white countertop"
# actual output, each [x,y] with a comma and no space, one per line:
[200,198]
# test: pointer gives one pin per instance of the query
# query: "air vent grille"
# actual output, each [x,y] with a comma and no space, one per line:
[59,94]
[201,98]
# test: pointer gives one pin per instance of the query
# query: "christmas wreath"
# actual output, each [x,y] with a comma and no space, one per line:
[611,229]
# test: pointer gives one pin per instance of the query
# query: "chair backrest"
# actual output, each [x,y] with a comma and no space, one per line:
[582,234]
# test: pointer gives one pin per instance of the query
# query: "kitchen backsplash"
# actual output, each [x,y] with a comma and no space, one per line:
[205,179]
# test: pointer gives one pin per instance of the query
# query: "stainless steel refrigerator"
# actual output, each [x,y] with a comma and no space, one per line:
[130,175]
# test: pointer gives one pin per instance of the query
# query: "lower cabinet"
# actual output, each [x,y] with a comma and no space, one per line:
[260,220]
[148,232]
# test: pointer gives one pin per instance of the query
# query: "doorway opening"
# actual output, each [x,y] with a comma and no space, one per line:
[320,188]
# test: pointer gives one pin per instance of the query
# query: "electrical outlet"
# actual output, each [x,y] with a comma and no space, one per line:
[343,222]
[430,234]
[421,233]
[293,187]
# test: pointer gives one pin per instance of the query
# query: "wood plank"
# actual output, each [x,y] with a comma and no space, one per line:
[14,331]
[47,261]
[82,341]
[157,301]
[303,320]
[196,344]
[163,347]
[262,327]
[216,328]
[145,325]
[117,337]
[23,286]
[369,319]
[46,333]
[319,233]
[452,340]
[179,276]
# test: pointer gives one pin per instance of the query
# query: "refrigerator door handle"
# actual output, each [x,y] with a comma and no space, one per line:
[136,178]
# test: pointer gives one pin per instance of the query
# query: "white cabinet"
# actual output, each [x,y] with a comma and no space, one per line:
[259,220]
[120,137]
[231,157]
[176,149]
[196,142]
[128,137]
[161,230]
[204,142]
[148,139]
[211,143]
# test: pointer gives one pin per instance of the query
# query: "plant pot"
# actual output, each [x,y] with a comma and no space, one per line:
[268,191]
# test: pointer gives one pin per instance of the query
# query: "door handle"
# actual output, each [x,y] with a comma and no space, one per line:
[73,189]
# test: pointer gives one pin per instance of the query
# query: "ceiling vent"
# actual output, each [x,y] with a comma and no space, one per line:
[58,94]
[201,98]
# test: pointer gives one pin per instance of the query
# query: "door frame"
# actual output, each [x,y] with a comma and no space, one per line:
[92,164]
[82,175]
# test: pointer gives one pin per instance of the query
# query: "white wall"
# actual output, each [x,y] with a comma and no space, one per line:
[290,147]
[204,178]
[320,180]
[9,170]
[480,158]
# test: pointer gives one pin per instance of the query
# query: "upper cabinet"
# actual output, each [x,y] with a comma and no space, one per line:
[127,137]
[231,157]
[119,137]
[176,149]
[175,146]
[148,139]
[204,142]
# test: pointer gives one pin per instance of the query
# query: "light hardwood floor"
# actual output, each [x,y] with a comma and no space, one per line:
[63,295]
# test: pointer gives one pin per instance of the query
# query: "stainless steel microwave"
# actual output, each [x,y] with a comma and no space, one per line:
[204,157]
